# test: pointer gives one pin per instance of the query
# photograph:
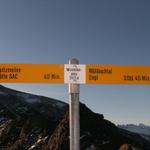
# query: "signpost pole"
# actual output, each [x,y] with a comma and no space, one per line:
[74,113]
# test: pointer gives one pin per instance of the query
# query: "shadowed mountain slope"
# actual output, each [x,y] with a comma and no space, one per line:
[31,122]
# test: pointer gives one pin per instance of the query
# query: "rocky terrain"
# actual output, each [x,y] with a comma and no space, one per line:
[30,122]
[27,120]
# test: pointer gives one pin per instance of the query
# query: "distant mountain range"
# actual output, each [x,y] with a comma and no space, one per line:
[31,122]
[141,129]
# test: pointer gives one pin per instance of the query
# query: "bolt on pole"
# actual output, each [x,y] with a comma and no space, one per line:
[74,90]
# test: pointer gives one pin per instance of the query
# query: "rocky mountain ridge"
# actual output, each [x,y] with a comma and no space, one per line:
[30,122]
[26,118]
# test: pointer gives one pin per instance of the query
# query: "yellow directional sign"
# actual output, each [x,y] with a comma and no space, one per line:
[31,73]
[111,74]
[76,74]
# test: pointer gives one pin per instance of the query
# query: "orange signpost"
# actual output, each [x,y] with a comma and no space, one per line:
[111,74]
[31,73]
[77,74]
[74,74]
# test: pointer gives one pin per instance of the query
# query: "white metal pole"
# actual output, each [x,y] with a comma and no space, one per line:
[74,90]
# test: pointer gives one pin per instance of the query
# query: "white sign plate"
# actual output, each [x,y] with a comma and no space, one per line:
[74,73]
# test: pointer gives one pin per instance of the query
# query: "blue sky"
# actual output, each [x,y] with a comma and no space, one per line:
[96,32]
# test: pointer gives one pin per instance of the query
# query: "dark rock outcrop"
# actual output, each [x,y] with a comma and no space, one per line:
[26,120]
[96,134]
[30,122]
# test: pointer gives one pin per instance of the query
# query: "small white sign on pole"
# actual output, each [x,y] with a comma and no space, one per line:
[74,74]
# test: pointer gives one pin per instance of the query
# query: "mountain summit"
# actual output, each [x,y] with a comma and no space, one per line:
[31,122]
